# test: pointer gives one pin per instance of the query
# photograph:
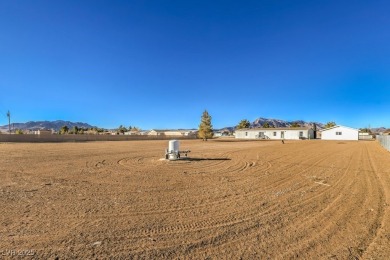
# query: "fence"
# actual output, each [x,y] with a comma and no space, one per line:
[366,137]
[384,140]
[83,138]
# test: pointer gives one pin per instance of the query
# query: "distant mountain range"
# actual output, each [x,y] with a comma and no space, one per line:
[37,125]
[259,122]
[281,123]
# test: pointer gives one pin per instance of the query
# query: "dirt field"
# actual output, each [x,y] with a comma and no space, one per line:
[249,199]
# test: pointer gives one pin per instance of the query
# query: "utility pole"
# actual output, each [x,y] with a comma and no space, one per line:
[9,121]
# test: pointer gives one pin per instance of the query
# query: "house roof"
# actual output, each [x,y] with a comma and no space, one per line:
[336,126]
[271,129]
[173,130]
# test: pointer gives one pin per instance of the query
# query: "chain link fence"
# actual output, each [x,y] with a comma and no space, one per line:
[384,140]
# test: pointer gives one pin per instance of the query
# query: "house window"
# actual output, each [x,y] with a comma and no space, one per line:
[300,134]
[246,133]
[274,133]
[339,133]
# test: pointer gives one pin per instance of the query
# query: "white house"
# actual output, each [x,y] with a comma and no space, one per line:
[43,132]
[365,136]
[180,132]
[224,132]
[339,132]
[293,133]
[132,132]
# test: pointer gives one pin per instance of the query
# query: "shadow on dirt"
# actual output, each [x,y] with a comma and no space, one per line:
[204,159]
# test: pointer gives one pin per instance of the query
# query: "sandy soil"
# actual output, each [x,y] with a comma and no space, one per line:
[249,199]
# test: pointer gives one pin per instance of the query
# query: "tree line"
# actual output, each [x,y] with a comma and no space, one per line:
[205,130]
[244,123]
[94,130]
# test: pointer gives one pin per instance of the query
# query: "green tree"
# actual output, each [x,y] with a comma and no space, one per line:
[243,124]
[18,132]
[295,124]
[121,129]
[365,130]
[64,130]
[75,130]
[205,128]
[266,125]
[329,125]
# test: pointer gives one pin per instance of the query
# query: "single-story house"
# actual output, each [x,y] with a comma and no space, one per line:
[132,132]
[365,136]
[180,132]
[339,132]
[288,133]
[44,132]
[220,133]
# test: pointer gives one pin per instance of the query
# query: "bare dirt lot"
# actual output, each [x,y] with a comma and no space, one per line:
[248,199]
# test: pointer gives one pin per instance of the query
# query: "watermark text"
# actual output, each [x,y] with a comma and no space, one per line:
[16,252]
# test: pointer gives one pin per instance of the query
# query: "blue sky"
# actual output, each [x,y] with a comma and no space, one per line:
[159,64]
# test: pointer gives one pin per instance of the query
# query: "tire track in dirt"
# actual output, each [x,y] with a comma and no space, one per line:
[247,195]
[234,241]
[334,215]
[228,244]
[311,244]
[199,226]
[379,225]
[249,206]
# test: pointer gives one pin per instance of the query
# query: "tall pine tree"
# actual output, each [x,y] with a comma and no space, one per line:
[205,127]
[243,124]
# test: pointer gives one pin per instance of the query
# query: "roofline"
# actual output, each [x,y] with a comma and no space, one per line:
[326,129]
[173,130]
[270,129]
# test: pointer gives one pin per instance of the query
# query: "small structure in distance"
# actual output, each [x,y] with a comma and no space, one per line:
[43,132]
[173,152]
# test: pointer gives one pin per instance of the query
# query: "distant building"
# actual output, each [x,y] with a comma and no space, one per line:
[287,133]
[340,132]
[221,133]
[180,132]
[365,136]
[43,132]
[217,134]
[132,132]
[28,132]
[156,132]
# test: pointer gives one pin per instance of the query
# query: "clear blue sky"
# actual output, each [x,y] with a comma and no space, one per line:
[159,64]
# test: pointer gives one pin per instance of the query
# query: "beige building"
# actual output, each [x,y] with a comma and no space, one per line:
[132,133]
[43,132]
[172,132]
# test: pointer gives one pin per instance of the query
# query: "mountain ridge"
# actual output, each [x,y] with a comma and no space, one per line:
[259,122]
[275,123]
[283,123]
[38,125]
